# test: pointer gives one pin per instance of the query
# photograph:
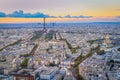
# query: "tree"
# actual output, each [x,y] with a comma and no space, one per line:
[0,78]
[101,52]
[24,62]
[25,55]
[118,49]
[97,49]
[52,64]
[112,61]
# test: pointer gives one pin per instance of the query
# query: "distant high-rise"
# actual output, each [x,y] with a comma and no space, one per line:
[44,26]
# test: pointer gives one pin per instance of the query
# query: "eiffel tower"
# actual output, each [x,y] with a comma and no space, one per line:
[44,26]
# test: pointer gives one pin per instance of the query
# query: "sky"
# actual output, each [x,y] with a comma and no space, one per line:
[59,10]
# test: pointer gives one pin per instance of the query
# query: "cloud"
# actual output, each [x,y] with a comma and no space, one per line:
[2,14]
[117,16]
[21,14]
[81,16]
[53,17]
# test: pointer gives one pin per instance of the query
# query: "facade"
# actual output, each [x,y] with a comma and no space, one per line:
[23,77]
[24,74]
[47,74]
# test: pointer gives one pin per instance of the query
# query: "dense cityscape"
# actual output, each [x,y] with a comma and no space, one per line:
[59,39]
[60,51]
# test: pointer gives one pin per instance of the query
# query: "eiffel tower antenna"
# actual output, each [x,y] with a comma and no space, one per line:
[44,22]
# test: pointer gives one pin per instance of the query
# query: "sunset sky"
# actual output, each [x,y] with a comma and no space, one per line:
[59,10]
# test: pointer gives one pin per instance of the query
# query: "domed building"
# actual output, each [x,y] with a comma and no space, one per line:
[107,39]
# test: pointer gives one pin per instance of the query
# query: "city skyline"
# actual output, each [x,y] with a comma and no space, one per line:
[69,11]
